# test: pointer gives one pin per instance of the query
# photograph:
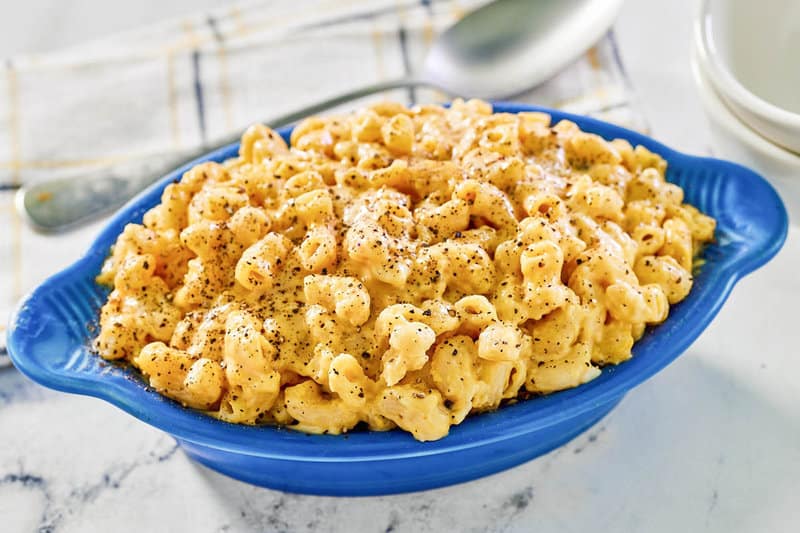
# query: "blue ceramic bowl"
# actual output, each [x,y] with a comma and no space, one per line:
[50,334]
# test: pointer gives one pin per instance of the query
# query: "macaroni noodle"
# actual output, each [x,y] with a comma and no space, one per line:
[398,268]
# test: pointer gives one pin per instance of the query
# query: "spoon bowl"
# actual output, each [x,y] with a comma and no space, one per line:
[510,46]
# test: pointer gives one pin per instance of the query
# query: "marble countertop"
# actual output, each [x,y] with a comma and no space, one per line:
[710,444]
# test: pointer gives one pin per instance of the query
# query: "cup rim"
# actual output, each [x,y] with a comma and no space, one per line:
[714,104]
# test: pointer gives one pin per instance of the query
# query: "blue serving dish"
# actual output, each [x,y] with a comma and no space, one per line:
[50,333]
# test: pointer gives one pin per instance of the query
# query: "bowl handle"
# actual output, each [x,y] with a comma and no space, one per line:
[49,337]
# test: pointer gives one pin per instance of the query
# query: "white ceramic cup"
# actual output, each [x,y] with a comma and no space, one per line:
[750,52]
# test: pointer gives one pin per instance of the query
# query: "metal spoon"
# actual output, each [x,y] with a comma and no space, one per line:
[497,51]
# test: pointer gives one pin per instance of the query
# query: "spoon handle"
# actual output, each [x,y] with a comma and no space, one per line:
[60,204]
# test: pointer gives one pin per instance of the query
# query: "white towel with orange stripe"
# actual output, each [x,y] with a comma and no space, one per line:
[183,83]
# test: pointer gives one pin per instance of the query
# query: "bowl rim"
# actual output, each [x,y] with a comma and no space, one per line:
[727,84]
[715,105]
[477,431]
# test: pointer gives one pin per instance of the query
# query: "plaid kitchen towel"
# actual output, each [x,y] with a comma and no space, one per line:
[183,83]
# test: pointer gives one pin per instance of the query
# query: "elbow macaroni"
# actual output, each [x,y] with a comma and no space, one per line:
[398,268]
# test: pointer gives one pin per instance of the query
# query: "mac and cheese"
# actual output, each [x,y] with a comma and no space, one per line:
[398,268]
